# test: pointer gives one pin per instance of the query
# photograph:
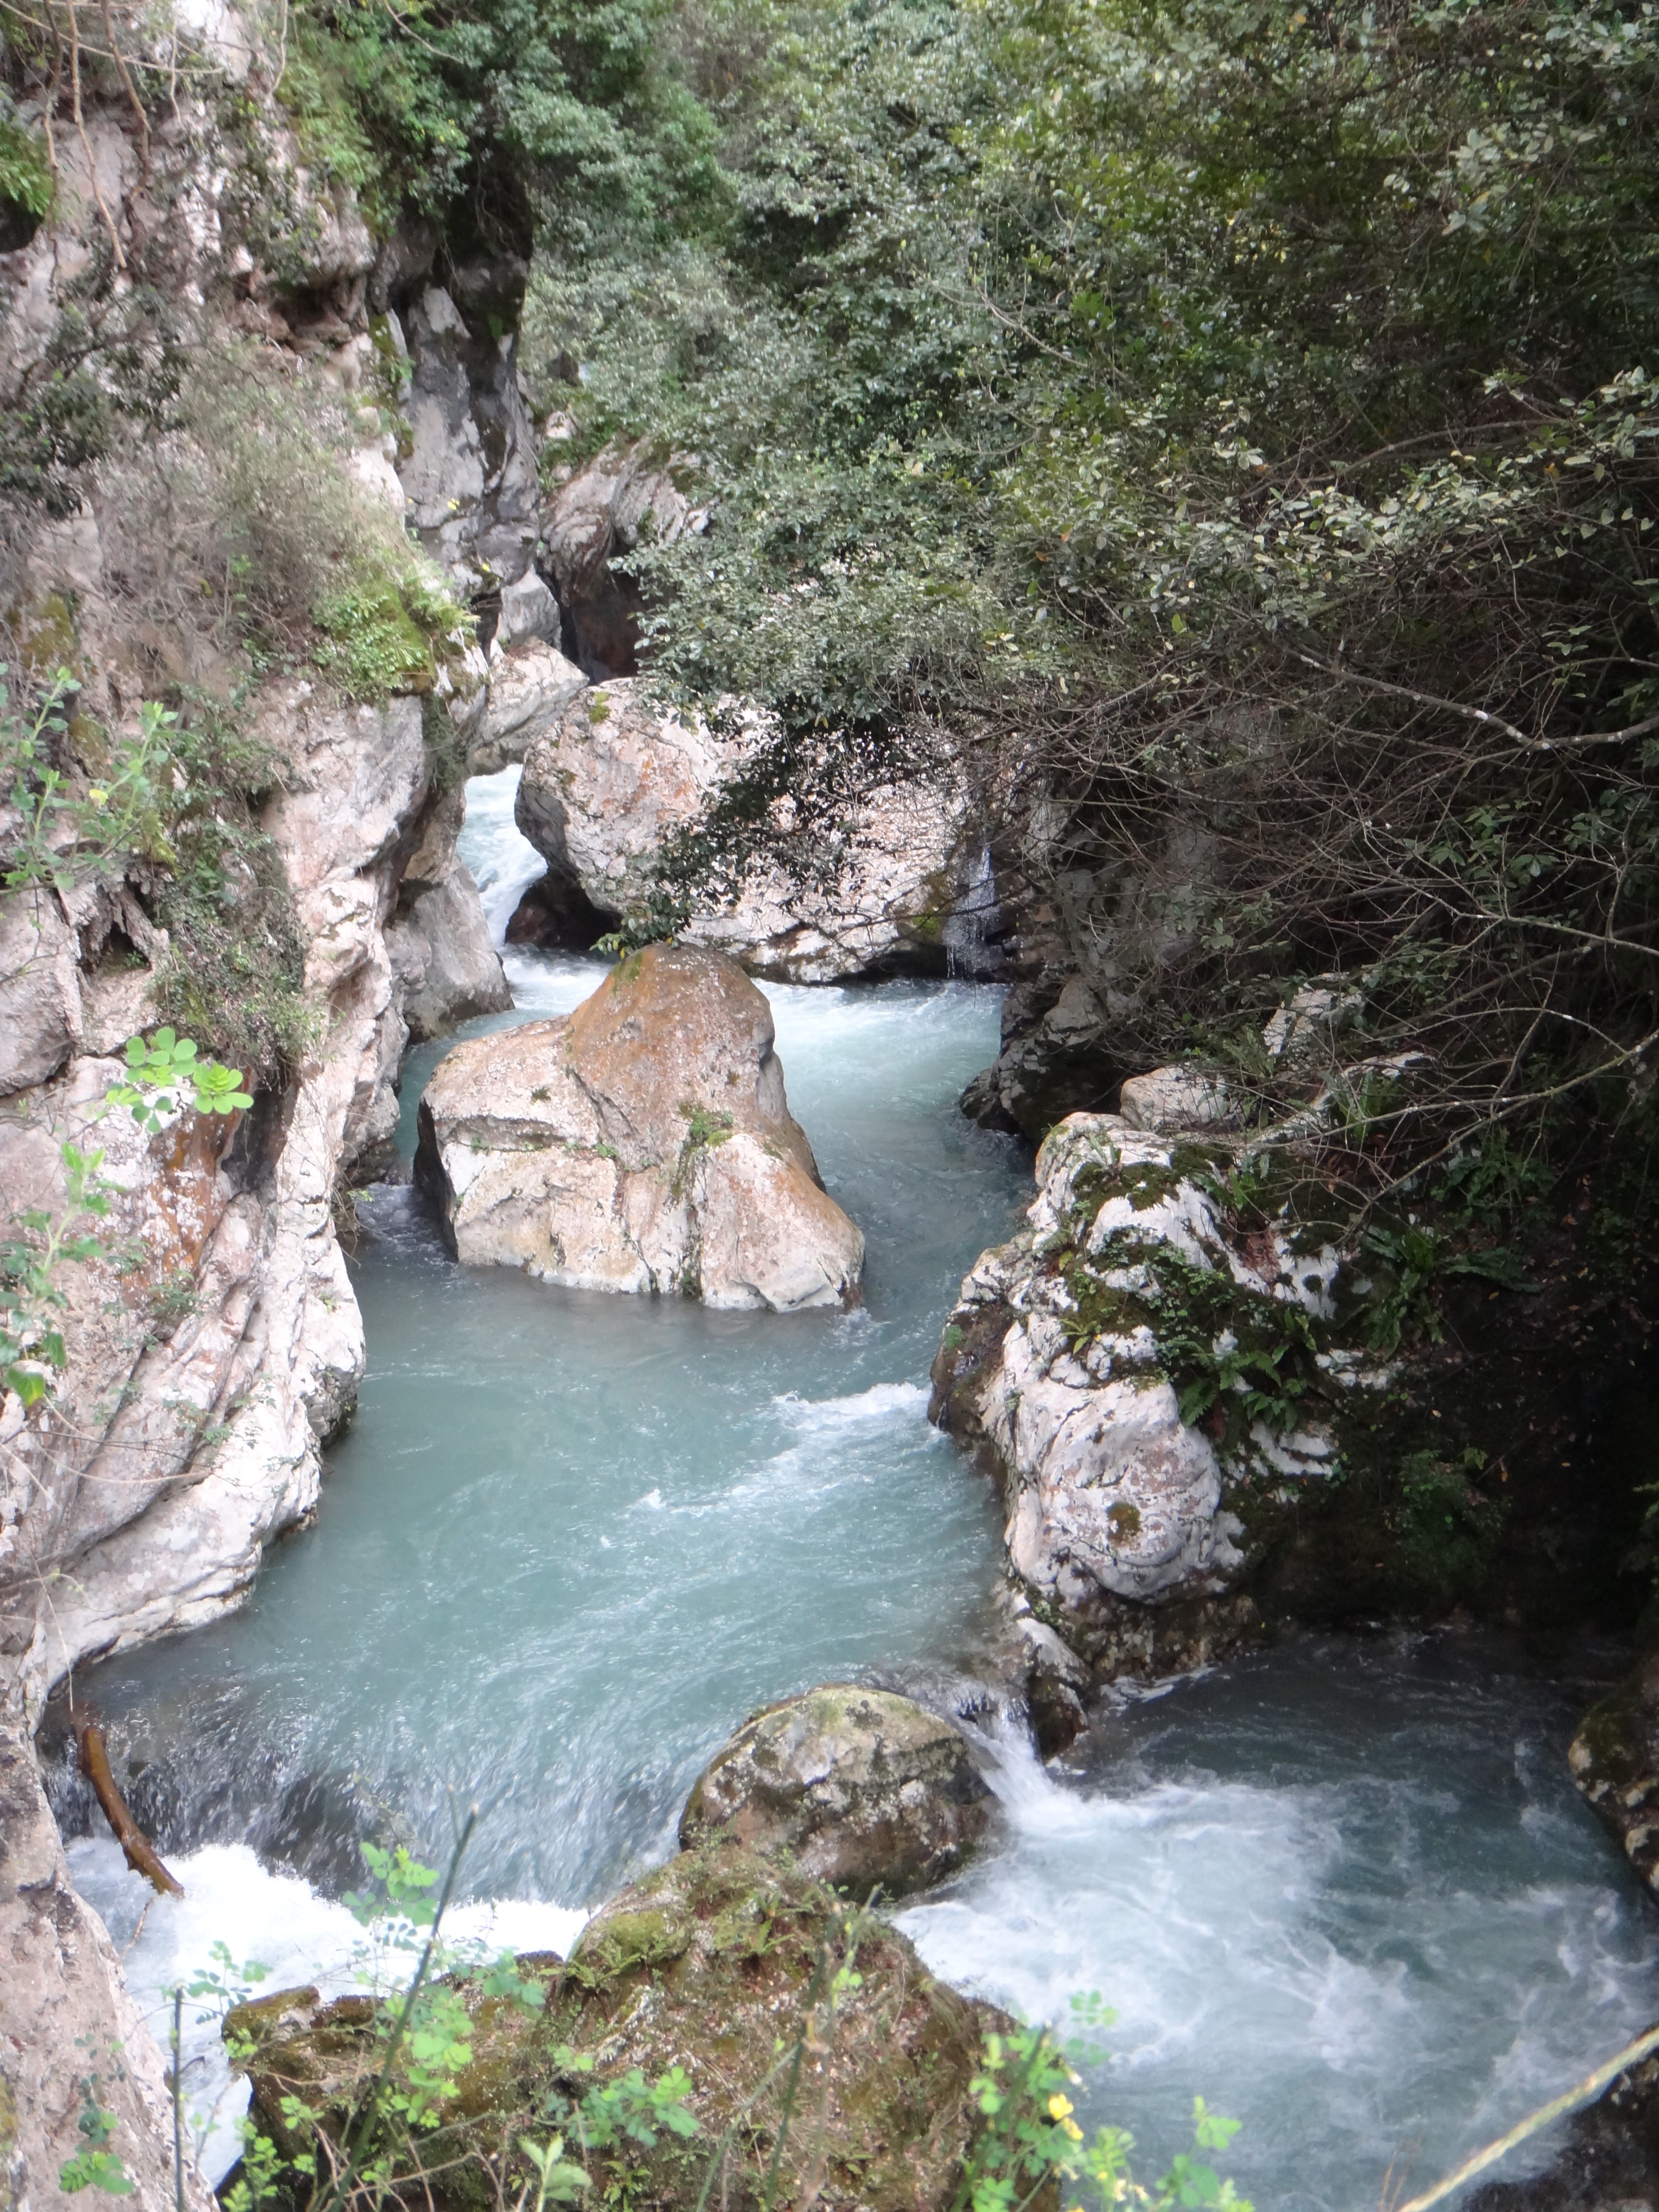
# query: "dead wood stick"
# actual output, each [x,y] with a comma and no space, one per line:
[94,1761]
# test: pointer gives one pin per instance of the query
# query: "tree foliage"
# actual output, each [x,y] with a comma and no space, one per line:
[1234,422]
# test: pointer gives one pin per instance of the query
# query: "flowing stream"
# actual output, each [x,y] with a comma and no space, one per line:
[1345,1891]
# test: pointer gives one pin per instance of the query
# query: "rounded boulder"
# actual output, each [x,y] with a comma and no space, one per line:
[863,1788]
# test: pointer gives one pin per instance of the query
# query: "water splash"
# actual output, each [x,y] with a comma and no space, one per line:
[503,861]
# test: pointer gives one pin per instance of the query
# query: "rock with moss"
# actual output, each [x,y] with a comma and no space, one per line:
[1129,1364]
[1614,1760]
[863,1788]
[642,1143]
[722,1964]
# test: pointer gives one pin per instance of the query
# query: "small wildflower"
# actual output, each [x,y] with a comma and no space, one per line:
[1059,2105]
[96,796]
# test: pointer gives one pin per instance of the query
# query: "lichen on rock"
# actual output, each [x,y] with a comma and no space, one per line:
[1131,1364]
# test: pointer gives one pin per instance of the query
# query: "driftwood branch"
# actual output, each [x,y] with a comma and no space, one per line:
[93,1761]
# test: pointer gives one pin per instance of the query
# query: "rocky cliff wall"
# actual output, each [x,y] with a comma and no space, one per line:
[212,1342]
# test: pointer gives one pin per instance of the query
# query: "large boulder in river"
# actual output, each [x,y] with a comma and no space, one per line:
[719,1963]
[903,885]
[641,1143]
[863,1788]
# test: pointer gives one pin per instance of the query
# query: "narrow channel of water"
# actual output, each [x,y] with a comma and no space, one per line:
[1346,1891]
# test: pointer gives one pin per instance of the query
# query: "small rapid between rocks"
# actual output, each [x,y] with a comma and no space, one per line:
[1346,1891]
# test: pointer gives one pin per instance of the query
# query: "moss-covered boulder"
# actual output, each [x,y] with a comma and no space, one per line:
[795,2016]
[1614,1760]
[865,1789]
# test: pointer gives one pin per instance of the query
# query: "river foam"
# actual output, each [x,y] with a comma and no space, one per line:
[1346,1893]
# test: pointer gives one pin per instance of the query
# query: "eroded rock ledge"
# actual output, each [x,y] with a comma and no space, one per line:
[642,1143]
[1135,1366]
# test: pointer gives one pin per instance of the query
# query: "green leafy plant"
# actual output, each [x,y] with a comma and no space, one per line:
[1418,1260]
[96,2166]
[62,830]
[1032,2140]
[40,1244]
[165,1073]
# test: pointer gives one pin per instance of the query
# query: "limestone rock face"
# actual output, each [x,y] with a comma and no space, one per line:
[530,688]
[1614,1760]
[470,478]
[60,993]
[642,1143]
[606,783]
[439,942]
[865,1789]
[67,2016]
[1176,1098]
[710,1964]
[1055,1368]
[604,510]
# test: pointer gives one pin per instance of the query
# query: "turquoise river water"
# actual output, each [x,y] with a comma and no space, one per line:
[1345,1891]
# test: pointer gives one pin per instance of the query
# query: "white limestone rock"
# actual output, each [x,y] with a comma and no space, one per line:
[1173,1098]
[642,1143]
[1111,1496]
[530,686]
[605,784]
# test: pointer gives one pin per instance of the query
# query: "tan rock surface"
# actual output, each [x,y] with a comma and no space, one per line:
[642,1143]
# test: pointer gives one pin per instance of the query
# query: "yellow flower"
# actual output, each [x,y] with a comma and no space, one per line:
[1059,2106]
[1072,2129]
[96,796]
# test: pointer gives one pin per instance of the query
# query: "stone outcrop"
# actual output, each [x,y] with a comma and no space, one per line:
[1056,1365]
[1614,1760]
[641,1143]
[470,479]
[66,2019]
[862,1788]
[1175,1098]
[199,1389]
[714,1963]
[615,775]
[186,1428]
[1097,931]
[439,941]
[604,510]
[530,686]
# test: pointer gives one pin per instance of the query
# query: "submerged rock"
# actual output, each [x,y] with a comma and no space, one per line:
[721,1963]
[642,1143]
[863,1788]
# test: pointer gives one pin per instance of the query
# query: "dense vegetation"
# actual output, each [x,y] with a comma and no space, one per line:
[1234,419]
[1229,425]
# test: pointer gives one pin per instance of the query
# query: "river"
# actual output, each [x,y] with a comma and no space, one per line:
[1345,1891]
